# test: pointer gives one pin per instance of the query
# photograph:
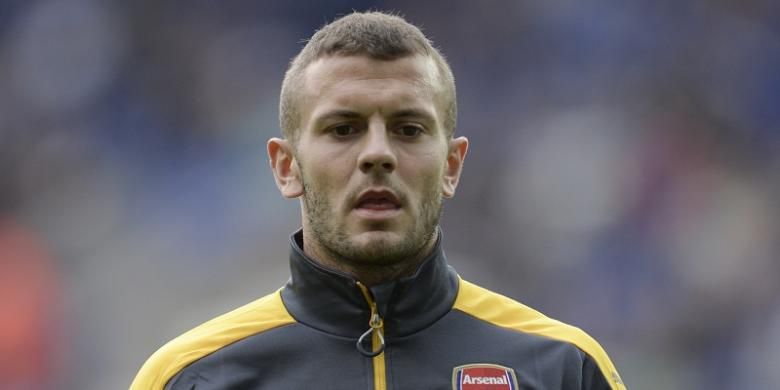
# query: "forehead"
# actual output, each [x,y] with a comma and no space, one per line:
[356,80]
[334,68]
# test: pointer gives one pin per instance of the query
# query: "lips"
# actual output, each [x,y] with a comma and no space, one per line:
[378,200]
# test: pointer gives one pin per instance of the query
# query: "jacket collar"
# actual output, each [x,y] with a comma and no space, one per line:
[332,301]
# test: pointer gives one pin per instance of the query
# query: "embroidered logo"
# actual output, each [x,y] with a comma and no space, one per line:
[483,377]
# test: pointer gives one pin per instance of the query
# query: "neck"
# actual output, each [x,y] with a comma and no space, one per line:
[368,273]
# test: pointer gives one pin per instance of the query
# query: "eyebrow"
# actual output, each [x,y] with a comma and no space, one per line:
[340,114]
[348,114]
[413,113]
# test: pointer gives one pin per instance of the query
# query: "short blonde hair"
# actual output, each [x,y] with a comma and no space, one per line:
[376,35]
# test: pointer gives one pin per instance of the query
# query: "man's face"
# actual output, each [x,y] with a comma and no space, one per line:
[372,157]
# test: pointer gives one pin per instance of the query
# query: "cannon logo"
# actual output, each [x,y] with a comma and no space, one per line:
[483,377]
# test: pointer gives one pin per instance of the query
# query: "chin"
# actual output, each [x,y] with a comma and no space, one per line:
[379,247]
[382,238]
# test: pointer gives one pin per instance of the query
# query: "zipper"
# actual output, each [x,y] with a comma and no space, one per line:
[376,331]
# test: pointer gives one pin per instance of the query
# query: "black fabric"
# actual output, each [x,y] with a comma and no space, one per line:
[286,358]
[299,357]
[425,340]
[426,359]
[331,301]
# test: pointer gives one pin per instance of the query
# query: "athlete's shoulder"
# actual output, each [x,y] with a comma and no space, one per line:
[259,316]
[505,312]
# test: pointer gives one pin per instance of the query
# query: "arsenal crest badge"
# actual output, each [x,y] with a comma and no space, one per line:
[483,377]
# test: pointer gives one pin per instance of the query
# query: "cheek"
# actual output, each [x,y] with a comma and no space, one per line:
[339,171]
[329,177]
[423,171]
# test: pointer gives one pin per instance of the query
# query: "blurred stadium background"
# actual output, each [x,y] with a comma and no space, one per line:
[624,175]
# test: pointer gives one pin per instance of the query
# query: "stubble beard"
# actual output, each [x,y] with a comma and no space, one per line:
[380,253]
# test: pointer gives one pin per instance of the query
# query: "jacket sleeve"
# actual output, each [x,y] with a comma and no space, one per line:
[593,378]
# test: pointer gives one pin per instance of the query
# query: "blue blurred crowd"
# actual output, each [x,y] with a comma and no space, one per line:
[624,175]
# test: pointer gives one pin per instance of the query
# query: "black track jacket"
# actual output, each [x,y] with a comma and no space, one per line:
[429,331]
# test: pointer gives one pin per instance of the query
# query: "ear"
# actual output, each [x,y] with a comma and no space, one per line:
[455,157]
[285,168]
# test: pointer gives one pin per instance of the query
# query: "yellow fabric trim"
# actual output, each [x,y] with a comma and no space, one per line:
[259,316]
[380,376]
[507,313]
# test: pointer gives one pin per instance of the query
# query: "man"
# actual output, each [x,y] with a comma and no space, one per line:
[368,113]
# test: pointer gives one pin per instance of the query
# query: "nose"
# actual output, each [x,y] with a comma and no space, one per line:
[377,154]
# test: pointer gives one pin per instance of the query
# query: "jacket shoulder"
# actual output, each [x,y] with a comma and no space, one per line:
[507,313]
[259,316]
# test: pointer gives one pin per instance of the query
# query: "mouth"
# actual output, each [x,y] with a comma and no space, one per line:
[377,202]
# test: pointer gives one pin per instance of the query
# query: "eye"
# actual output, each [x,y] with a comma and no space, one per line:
[410,130]
[343,130]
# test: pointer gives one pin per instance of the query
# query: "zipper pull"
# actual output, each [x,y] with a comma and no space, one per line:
[375,329]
